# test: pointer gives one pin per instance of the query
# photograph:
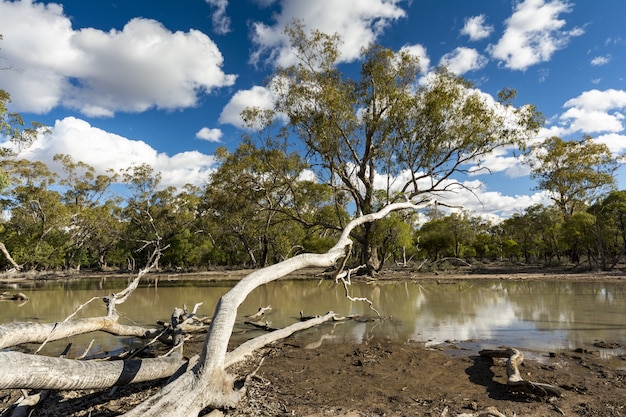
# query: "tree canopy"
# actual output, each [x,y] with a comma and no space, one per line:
[385,129]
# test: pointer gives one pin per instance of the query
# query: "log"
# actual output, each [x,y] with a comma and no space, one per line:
[514,377]
[43,372]
[208,385]
[13,334]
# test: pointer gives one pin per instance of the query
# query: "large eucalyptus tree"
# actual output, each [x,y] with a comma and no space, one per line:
[414,133]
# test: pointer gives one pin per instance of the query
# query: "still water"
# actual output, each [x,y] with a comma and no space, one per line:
[542,316]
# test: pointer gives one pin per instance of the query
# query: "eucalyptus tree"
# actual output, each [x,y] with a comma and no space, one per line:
[37,228]
[385,124]
[141,232]
[92,229]
[436,239]
[159,217]
[16,136]
[580,233]
[610,228]
[261,196]
[575,173]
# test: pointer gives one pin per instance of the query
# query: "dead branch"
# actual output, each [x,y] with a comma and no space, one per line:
[514,377]
[7,255]
[13,334]
[43,372]
[260,312]
[208,384]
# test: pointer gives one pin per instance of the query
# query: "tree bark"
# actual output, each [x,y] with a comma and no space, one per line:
[13,334]
[205,385]
[208,384]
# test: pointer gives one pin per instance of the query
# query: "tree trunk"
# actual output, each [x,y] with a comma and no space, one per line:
[369,252]
[13,334]
[7,255]
[206,384]
[43,372]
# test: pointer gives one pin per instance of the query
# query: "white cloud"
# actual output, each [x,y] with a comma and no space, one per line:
[220,20]
[615,142]
[476,28]
[601,60]
[420,52]
[142,66]
[210,135]
[257,96]
[470,195]
[462,60]
[594,111]
[592,121]
[359,22]
[104,150]
[533,34]
[599,100]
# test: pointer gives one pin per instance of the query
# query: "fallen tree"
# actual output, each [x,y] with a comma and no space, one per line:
[201,383]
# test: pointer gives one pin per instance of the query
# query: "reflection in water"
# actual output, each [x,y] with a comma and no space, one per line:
[526,314]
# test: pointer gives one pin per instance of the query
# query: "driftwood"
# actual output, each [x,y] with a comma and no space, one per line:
[261,312]
[197,385]
[18,296]
[208,385]
[514,377]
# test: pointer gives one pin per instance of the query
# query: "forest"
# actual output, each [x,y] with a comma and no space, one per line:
[255,211]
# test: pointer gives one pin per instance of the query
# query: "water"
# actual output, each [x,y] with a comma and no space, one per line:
[533,315]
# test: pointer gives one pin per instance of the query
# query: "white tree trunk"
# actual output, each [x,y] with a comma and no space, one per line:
[43,372]
[208,384]
[13,334]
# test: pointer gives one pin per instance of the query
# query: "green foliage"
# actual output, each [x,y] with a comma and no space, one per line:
[384,123]
[576,173]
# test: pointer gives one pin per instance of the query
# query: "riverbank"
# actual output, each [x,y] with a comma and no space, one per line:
[382,377]
[492,270]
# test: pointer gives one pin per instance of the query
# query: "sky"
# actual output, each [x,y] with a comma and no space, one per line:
[162,82]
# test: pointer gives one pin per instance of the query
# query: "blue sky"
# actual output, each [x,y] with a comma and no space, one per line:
[162,82]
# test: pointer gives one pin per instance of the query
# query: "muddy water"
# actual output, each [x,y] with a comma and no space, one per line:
[533,315]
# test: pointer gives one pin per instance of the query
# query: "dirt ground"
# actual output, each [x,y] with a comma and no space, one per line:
[386,378]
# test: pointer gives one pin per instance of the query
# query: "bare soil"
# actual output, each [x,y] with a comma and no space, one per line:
[387,378]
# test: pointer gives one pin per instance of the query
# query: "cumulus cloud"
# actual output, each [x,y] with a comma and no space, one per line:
[472,195]
[210,135]
[359,22]
[614,141]
[104,150]
[463,60]
[476,28]
[220,20]
[259,97]
[595,111]
[533,34]
[98,73]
